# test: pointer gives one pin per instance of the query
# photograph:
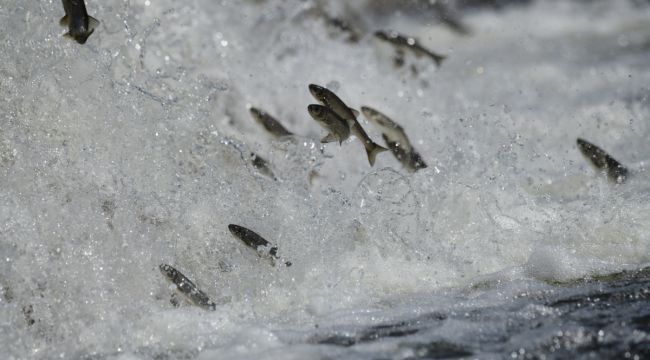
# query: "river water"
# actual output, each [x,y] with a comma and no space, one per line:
[133,150]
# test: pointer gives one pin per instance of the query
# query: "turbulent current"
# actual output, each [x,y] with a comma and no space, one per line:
[135,150]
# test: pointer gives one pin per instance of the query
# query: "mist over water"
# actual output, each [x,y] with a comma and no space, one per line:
[133,150]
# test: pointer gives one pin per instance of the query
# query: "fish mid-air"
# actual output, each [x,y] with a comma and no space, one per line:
[403,42]
[338,128]
[602,161]
[395,139]
[80,24]
[256,242]
[330,100]
[271,125]
[187,288]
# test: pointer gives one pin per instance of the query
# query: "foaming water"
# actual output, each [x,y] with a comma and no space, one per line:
[135,150]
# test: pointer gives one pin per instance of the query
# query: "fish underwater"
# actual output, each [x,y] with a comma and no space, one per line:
[602,161]
[262,166]
[187,288]
[80,24]
[403,42]
[256,242]
[330,100]
[396,139]
[271,125]
[338,128]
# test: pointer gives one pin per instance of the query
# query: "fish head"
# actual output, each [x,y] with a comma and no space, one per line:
[80,29]
[168,271]
[257,113]
[318,92]
[317,111]
[81,36]
[236,230]
[368,112]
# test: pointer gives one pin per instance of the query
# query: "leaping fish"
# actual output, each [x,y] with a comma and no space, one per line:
[329,99]
[257,243]
[395,139]
[271,125]
[411,160]
[403,42]
[602,161]
[187,288]
[80,24]
[338,128]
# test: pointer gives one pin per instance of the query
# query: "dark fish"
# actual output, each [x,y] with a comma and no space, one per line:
[329,99]
[271,125]
[256,242]
[338,128]
[353,35]
[403,42]
[602,161]
[80,24]
[396,139]
[187,288]
[262,166]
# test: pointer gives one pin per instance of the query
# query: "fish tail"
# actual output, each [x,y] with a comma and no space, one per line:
[372,150]
[331,137]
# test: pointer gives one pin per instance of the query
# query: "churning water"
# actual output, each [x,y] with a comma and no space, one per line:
[133,150]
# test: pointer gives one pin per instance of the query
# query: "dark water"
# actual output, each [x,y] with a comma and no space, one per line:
[594,319]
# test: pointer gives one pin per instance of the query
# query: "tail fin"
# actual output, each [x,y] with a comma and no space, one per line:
[331,137]
[372,150]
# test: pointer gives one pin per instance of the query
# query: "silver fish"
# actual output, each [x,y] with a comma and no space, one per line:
[339,130]
[329,99]
[271,125]
[257,243]
[395,139]
[403,42]
[80,24]
[187,288]
[602,161]
[411,160]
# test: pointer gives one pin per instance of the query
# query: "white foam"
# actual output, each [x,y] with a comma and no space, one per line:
[115,158]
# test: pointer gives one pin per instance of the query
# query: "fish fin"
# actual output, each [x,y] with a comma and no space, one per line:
[354,112]
[67,35]
[92,22]
[438,58]
[64,21]
[331,137]
[372,152]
